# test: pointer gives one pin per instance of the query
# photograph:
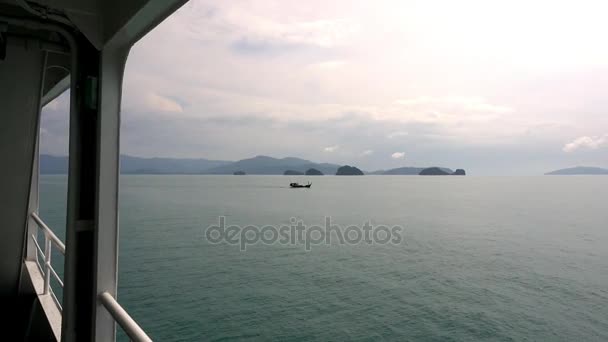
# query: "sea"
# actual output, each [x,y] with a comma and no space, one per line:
[477,258]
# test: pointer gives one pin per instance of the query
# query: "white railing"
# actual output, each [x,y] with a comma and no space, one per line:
[130,327]
[47,269]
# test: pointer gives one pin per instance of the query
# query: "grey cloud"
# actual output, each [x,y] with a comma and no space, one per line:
[252,46]
[243,120]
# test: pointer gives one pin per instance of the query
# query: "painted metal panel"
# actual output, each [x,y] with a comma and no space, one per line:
[20,89]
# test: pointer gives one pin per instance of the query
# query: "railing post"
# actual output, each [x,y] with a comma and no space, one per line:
[47,263]
[32,228]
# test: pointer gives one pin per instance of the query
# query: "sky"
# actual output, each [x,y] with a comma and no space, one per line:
[494,87]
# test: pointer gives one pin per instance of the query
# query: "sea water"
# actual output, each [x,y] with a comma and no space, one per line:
[480,258]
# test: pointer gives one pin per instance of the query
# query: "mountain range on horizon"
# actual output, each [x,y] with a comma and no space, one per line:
[579,170]
[50,164]
[264,165]
[258,165]
[406,170]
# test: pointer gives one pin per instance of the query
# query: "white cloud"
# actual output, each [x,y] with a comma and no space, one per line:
[331,148]
[469,103]
[367,152]
[328,65]
[162,104]
[398,155]
[586,142]
[487,108]
[267,23]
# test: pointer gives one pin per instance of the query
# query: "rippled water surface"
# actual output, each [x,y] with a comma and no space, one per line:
[495,258]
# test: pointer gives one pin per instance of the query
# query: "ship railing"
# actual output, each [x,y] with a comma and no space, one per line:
[46,268]
[128,324]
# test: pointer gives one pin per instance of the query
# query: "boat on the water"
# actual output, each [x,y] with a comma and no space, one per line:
[296,185]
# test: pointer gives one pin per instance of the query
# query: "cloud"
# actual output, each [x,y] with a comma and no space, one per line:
[398,155]
[367,152]
[161,103]
[396,134]
[53,105]
[487,108]
[264,25]
[328,65]
[60,103]
[586,142]
[468,103]
[463,117]
[233,77]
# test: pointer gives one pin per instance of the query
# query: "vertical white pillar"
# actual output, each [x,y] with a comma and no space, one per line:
[106,217]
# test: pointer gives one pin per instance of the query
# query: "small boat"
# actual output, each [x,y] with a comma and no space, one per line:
[296,185]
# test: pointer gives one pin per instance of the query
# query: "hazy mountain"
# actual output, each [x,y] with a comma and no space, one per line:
[53,164]
[348,170]
[580,170]
[434,171]
[407,170]
[260,165]
[128,164]
[314,172]
[264,165]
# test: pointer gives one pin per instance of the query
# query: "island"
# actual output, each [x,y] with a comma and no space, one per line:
[433,171]
[347,170]
[258,165]
[401,171]
[579,170]
[314,172]
[437,171]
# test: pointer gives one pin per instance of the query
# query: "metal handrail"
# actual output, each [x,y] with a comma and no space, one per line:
[55,299]
[41,253]
[46,268]
[49,233]
[131,328]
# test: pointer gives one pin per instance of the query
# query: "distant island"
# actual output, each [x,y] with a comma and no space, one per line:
[437,171]
[348,170]
[579,170]
[259,165]
[314,172]
[410,171]
[433,171]
[239,173]
[264,165]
